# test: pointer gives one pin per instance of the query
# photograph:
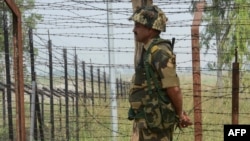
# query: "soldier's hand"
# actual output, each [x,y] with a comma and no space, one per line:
[184,120]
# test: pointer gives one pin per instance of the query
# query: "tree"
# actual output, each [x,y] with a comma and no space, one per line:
[239,37]
[29,20]
[226,28]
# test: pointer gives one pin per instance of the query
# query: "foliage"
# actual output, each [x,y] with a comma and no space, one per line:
[3,133]
[29,20]
[226,28]
[227,32]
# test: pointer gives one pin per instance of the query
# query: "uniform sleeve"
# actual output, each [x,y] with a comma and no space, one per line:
[164,62]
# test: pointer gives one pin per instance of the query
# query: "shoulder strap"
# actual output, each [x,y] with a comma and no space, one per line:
[150,73]
[154,48]
[149,70]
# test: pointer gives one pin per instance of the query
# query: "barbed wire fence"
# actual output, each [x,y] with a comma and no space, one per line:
[72,88]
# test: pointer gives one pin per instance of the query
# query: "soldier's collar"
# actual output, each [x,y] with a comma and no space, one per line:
[146,46]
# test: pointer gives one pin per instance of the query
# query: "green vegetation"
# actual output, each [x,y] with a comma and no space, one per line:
[94,122]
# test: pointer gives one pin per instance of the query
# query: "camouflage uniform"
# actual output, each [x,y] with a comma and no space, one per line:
[150,108]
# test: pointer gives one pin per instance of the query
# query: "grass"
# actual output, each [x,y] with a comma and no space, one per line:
[95,122]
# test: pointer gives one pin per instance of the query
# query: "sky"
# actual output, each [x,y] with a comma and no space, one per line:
[81,26]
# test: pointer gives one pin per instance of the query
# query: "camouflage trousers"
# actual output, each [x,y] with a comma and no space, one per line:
[142,133]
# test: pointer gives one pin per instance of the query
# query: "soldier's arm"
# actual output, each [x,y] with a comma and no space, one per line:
[175,95]
[165,64]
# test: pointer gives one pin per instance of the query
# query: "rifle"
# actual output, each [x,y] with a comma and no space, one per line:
[172,44]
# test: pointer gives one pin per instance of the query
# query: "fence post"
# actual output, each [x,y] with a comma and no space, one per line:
[76,97]
[18,70]
[105,85]
[196,71]
[84,94]
[117,88]
[66,93]
[52,134]
[121,93]
[33,112]
[8,75]
[99,84]
[235,90]
[92,89]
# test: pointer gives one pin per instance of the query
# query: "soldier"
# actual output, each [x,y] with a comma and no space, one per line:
[155,96]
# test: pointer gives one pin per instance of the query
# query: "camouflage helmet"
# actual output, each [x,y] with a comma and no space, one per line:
[150,16]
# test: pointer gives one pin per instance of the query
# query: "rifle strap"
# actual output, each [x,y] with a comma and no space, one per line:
[150,75]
